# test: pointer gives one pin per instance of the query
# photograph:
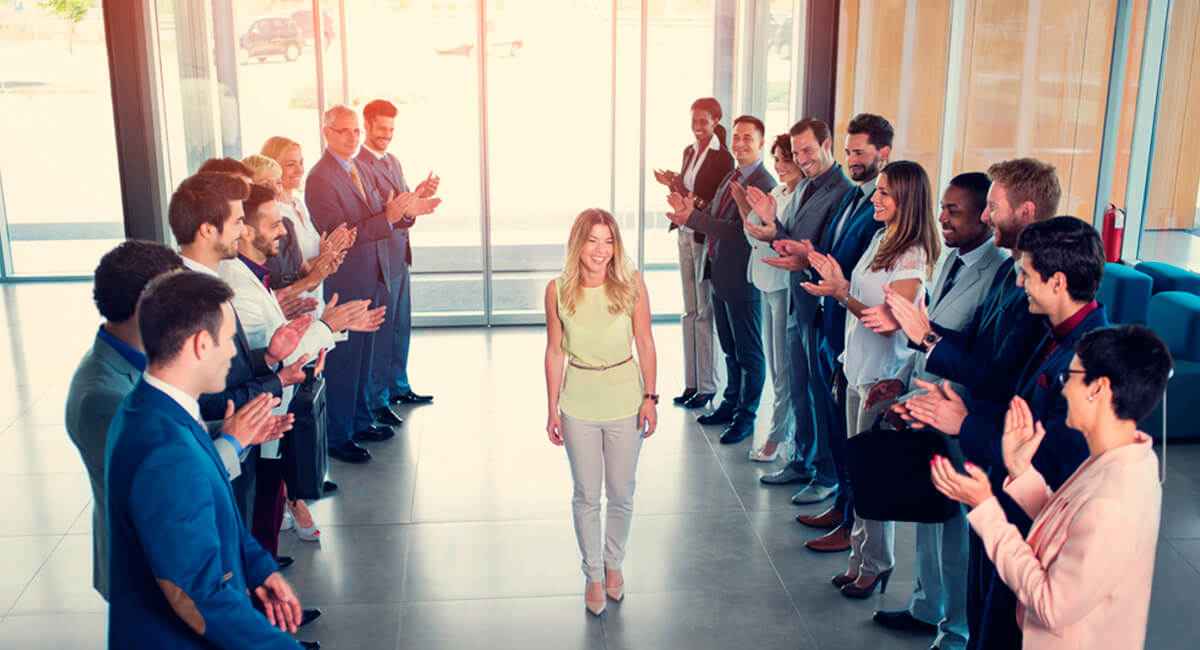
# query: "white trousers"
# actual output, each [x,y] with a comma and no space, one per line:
[775,325]
[699,367]
[602,452]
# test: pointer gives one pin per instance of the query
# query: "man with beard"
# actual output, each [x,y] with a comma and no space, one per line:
[389,366]
[846,234]
[205,214]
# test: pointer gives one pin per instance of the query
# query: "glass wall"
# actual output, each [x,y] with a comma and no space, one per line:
[60,197]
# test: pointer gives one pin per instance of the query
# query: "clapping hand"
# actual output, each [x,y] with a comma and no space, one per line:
[338,239]
[370,320]
[280,603]
[911,317]
[293,373]
[681,207]
[397,205]
[879,319]
[764,205]
[286,339]
[833,282]
[428,188]
[666,177]
[1022,436]
[971,489]
[253,424]
[738,192]
[940,407]
[295,305]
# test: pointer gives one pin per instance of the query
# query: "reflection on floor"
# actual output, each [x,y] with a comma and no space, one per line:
[458,535]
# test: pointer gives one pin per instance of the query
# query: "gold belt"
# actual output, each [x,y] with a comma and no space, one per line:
[575,364]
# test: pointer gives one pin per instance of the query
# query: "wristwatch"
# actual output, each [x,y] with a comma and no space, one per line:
[653,397]
[928,341]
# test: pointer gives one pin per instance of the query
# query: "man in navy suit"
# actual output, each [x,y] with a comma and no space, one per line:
[987,358]
[737,303]
[182,562]
[389,366]
[338,192]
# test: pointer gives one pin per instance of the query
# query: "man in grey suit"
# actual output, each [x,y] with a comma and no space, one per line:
[389,366]
[111,368]
[938,603]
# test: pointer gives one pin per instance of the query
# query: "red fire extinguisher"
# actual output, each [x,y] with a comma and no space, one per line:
[1113,232]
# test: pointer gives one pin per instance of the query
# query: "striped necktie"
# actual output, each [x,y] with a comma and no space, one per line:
[357,180]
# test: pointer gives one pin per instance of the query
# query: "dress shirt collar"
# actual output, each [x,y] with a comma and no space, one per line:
[346,163]
[748,170]
[868,188]
[1064,329]
[713,144]
[188,402]
[975,256]
[135,357]
[378,155]
[261,272]
[824,177]
[193,265]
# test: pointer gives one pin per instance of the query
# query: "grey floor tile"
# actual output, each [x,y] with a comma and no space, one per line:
[55,632]
[23,557]
[355,627]
[39,454]
[1174,622]
[553,623]
[64,583]
[44,504]
[371,494]
[350,565]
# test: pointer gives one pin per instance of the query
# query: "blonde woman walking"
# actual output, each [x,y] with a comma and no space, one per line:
[602,401]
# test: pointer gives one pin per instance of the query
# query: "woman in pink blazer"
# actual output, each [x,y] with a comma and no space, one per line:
[1082,578]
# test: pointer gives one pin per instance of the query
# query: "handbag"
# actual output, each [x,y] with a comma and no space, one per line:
[303,451]
[889,469]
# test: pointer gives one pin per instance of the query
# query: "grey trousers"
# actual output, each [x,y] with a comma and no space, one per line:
[602,452]
[940,595]
[775,335]
[699,357]
[872,543]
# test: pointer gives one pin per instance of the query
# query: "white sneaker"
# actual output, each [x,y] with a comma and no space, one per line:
[288,521]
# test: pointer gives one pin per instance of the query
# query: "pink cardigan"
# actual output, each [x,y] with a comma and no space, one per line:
[1082,579]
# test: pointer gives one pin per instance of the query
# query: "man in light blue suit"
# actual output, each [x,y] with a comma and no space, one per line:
[182,563]
[939,600]
[338,192]
[389,368]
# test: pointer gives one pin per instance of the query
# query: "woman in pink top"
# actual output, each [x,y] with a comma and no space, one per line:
[1082,578]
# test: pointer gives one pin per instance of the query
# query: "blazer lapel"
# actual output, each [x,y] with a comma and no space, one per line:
[968,277]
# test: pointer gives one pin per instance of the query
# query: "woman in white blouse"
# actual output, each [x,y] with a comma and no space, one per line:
[900,257]
[773,283]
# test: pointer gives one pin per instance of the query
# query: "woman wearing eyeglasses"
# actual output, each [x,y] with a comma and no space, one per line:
[601,400]
[1082,574]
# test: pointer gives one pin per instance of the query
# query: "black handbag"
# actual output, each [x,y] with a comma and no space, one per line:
[889,470]
[303,450]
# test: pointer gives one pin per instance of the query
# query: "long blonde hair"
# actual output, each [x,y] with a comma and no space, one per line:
[620,283]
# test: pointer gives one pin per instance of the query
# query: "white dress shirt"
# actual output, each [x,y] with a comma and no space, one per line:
[765,277]
[188,402]
[693,168]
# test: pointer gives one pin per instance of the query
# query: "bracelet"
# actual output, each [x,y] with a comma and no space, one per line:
[653,397]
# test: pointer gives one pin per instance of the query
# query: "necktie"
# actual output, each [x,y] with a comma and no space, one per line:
[357,180]
[806,194]
[841,224]
[951,277]
[725,200]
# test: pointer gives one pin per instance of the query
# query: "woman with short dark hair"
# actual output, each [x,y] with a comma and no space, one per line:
[1082,577]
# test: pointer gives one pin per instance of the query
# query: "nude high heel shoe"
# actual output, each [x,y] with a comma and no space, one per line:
[593,598]
[614,585]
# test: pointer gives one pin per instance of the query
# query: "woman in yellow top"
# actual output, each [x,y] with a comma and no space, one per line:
[602,401]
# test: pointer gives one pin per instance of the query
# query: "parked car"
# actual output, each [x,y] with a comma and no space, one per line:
[304,19]
[460,42]
[271,36]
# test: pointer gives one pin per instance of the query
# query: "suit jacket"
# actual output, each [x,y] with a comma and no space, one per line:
[807,222]
[716,166]
[388,176]
[249,376]
[847,248]
[1082,576]
[285,267]
[181,559]
[332,199]
[730,263]
[955,309]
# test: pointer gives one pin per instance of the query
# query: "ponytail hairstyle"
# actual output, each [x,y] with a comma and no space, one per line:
[711,106]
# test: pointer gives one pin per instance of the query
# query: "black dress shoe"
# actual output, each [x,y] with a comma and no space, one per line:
[349,452]
[684,397]
[699,400]
[723,415]
[412,398]
[308,616]
[310,645]
[284,561]
[902,620]
[386,416]
[736,433]
[374,434]
[331,487]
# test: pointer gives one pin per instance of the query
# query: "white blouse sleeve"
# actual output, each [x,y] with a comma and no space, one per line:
[912,265]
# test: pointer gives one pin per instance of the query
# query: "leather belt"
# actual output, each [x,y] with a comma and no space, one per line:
[575,364]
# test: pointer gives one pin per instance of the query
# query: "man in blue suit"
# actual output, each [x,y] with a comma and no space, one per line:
[338,192]
[389,365]
[987,358]
[737,303]
[182,562]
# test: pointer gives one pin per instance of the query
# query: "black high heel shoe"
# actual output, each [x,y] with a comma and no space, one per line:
[699,400]
[688,393]
[852,590]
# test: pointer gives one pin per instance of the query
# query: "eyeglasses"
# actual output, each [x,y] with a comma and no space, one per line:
[1065,376]
[345,131]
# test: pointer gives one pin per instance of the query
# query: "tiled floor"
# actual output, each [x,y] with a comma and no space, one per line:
[458,535]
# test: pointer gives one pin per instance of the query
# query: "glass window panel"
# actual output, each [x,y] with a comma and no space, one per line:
[779,61]
[58,160]
[436,130]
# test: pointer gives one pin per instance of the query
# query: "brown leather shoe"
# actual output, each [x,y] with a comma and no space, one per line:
[831,518]
[835,541]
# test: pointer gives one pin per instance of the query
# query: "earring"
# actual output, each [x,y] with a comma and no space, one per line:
[1091,398]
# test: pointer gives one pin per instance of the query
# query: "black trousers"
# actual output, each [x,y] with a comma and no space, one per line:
[991,605]
[244,486]
[739,329]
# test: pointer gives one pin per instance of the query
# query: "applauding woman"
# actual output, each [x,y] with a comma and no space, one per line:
[601,400]
[1083,576]
[899,258]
